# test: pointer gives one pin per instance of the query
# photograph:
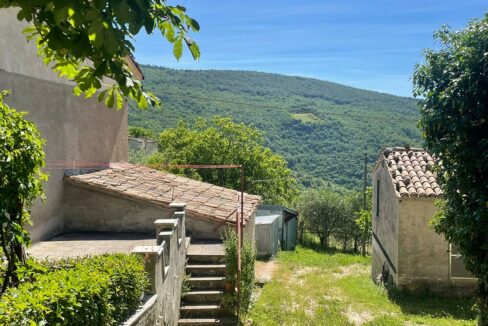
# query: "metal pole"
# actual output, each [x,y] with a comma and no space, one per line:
[365,177]
[242,204]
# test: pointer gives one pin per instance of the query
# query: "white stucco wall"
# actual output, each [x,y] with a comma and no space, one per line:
[77,131]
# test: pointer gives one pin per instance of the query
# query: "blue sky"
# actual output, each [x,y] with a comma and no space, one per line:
[366,44]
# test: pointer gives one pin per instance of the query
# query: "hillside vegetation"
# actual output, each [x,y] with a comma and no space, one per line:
[321,128]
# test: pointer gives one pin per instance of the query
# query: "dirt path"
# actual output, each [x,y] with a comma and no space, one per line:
[264,271]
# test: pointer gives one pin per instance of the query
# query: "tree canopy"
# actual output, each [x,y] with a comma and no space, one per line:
[21,160]
[140,132]
[222,141]
[88,41]
[453,82]
[323,213]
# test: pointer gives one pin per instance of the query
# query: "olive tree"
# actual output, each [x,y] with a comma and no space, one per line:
[453,85]
[88,41]
[21,161]
[323,213]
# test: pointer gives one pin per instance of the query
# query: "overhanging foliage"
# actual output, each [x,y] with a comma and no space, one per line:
[88,41]
[454,84]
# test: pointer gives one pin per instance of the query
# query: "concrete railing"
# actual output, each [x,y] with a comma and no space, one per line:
[165,268]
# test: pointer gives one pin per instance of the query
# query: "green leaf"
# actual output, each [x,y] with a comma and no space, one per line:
[121,11]
[195,51]
[111,42]
[101,95]
[120,99]
[178,48]
[110,99]
[142,102]
[194,24]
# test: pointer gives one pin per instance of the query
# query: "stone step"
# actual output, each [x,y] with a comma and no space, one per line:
[206,269]
[205,259]
[227,321]
[204,311]
[207,283]
[203,297]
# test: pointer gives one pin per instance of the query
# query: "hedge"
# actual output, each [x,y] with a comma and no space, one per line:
[100,290]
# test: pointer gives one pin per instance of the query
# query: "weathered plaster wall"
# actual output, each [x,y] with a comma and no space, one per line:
[424,256]
[423,252]
[90,210]
[86,209]
[385,224]
[76,130]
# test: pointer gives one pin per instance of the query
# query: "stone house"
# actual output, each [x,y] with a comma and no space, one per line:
[406,249]
[85,137]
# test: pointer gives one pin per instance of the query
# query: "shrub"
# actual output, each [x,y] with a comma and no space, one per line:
[21,161]
[101,290]
[248,259]
[246,284]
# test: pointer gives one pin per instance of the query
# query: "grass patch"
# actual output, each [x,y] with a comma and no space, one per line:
[330,288]
[306,117]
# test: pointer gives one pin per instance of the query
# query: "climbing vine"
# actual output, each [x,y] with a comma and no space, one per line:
[21,161]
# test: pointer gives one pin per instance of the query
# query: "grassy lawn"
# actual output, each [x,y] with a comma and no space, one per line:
[318,288]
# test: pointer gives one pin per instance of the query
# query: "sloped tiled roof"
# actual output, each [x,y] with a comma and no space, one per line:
[411,171]
[158,188]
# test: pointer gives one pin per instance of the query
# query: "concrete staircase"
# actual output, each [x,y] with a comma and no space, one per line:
[202,305]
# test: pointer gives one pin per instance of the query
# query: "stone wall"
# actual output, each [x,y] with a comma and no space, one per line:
[385,224]
[77,131]
[165,265]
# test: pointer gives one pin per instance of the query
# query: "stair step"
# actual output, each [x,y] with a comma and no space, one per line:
[206,270]
[227,321]
[209,296]
[205,259]
[207,283]
[204,311]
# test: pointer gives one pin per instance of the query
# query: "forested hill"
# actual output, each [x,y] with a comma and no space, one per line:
[321,128]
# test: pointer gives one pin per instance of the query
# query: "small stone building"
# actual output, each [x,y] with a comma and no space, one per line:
[128,198]
[406,249]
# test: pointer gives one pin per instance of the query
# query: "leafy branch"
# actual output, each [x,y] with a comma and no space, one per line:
[90,41]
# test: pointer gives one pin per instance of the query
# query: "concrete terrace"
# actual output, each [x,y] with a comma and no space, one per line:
[79,244]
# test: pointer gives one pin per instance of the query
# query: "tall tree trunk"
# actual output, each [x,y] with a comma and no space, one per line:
[344,244]
[363,247]
[301,227]
[356,243]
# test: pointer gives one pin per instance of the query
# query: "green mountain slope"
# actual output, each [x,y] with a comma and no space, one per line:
[321,128]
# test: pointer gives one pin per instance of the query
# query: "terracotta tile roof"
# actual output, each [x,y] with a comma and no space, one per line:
[158,188]
[411,172]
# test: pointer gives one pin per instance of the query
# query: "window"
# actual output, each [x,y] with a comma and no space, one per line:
[377,197]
